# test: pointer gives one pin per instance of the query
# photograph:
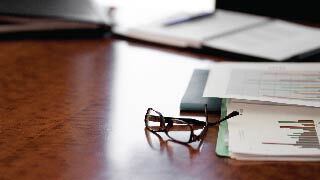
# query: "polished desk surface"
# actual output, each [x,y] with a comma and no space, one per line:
[74,109]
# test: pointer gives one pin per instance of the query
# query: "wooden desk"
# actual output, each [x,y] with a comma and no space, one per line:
[74,109]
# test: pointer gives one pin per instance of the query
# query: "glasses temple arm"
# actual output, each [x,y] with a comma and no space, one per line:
[187,120]
[231,115]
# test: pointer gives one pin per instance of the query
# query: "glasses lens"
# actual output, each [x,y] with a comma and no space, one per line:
[180,132]
[152,120]
[198,130]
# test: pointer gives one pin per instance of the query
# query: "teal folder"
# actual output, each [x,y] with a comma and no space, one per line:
[193,100]
[222,146]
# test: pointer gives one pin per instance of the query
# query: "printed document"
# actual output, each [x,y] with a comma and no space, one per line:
[273,132]
[288,83]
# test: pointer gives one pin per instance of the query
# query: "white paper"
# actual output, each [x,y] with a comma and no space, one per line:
[288,83]
[274,131]
[193,33]
[277,40]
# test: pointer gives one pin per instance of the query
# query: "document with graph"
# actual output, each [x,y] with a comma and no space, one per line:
[273,132]
[287,83]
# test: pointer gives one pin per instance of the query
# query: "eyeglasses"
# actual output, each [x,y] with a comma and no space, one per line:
[182,130]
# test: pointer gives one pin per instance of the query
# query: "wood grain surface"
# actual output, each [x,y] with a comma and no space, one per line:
[74,109]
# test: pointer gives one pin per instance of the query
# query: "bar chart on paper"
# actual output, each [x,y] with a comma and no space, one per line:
[302,131]
[287,131]
[299,85]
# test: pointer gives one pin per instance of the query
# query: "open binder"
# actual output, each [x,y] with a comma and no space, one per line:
[246,36]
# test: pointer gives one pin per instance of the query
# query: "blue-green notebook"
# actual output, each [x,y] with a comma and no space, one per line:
[193,100]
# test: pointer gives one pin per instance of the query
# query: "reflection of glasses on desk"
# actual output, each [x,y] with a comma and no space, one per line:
[156,142]
[182,130]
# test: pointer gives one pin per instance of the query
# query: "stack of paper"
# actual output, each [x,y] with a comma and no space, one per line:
[279,105]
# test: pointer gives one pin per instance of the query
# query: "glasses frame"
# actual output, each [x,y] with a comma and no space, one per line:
[168,122]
